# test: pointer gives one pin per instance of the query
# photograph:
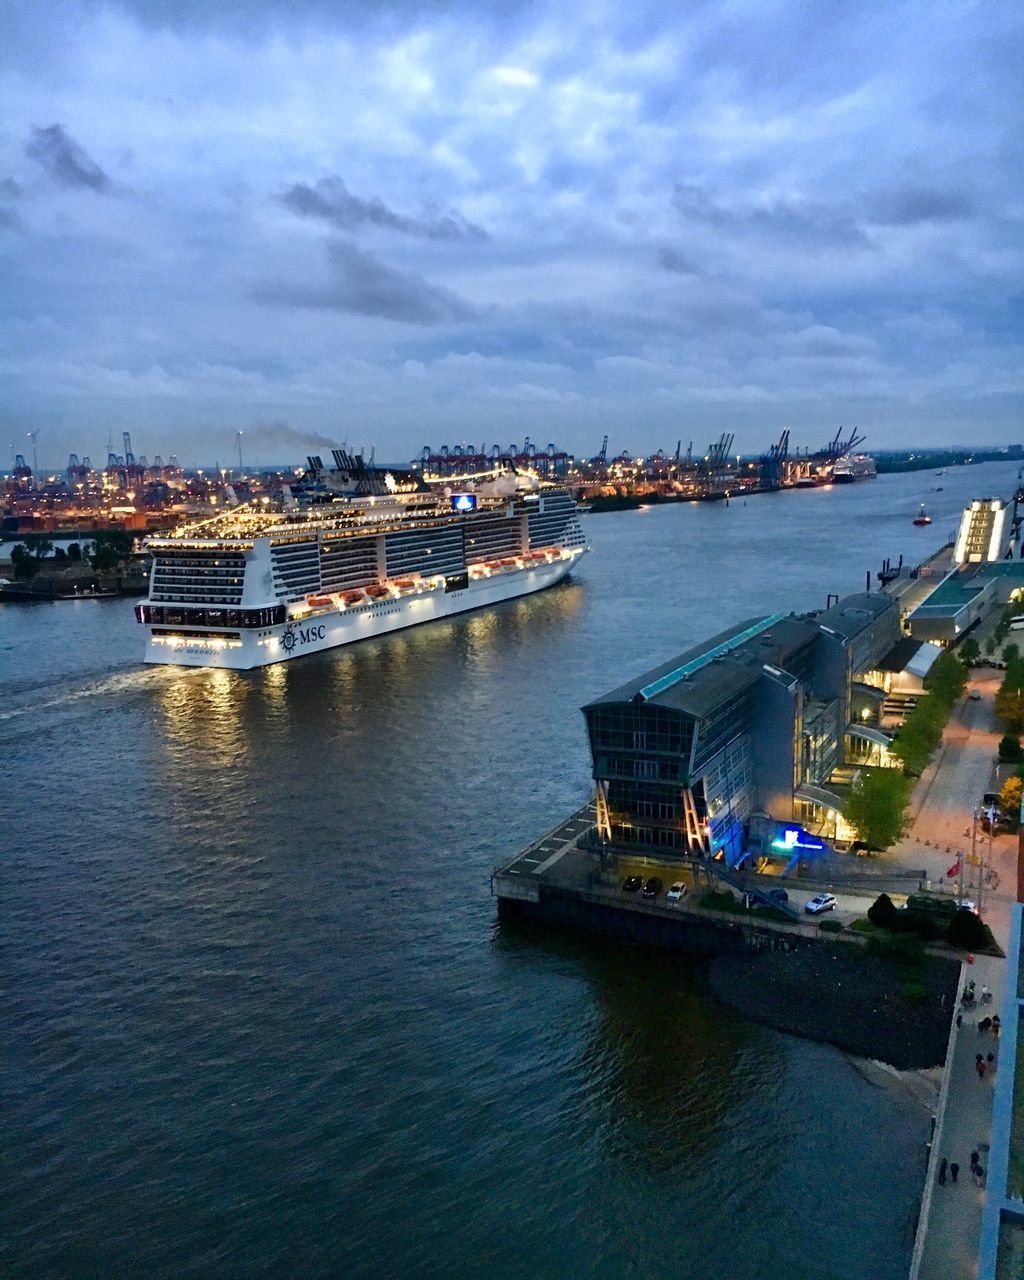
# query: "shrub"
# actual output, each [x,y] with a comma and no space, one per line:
[914,992]
[906,949]
[1009,748]
[1010,795]
[882,912]
[923,924]
[862,926]
[720,900]
[831,926]
[969,932]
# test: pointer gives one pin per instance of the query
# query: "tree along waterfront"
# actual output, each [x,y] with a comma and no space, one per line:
[877,804]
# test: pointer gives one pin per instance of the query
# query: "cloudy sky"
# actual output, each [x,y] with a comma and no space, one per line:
[400,224]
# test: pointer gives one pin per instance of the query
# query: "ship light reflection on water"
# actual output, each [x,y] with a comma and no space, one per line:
[205,718]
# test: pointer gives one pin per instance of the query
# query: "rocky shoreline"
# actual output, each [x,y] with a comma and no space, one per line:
[851,1000]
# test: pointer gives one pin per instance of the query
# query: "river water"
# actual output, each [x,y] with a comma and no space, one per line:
[260,1018]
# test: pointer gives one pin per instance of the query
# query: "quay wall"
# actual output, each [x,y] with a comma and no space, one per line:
[704,934]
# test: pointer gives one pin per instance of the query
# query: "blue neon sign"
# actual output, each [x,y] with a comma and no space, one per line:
[793,838]
[463,501]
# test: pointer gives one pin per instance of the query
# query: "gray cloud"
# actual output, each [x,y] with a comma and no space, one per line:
[807,225]
[9,192]
[365,286]
[920,204]
[64,160]
[677,262]
[332,201]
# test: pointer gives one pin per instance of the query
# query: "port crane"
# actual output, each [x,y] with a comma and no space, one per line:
[773,462]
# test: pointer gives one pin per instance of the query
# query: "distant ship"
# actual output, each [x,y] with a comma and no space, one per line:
[922,516]
[858,466]
[357,551]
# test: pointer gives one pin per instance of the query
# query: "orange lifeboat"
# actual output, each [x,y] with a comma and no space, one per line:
[377,592]
[319,602]
[507,563]
[405,584]
[353,597]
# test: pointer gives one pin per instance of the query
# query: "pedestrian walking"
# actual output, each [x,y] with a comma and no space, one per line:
[974,1161]
[986,995]
[991,1060]
[996,1024]
[954,1170]
[959,1020]
[981,1068]
[984,1025]
[979,1176]
[942,1172]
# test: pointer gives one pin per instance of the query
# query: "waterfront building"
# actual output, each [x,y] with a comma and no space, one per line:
[983,575]
[985,532]
[706,755]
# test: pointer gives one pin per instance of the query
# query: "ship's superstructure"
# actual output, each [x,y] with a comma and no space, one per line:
[855,466]
[357,552]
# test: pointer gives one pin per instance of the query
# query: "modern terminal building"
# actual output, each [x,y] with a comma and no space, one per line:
[983,576]
[730,748]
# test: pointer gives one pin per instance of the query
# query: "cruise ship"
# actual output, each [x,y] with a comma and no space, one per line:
[857,466]
[356,551]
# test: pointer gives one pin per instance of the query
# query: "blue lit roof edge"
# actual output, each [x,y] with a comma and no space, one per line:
[695,664]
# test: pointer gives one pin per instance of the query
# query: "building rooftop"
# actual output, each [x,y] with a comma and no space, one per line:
[700,679]
[900,655]
[952,595]
[853,613]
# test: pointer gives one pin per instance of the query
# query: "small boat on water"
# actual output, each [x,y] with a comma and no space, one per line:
[922,516]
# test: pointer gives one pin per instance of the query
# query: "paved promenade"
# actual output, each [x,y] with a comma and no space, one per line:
[964,768]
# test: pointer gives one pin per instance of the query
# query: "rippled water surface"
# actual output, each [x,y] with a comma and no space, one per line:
[259,1015]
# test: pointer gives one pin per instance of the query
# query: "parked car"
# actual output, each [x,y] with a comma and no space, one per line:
[779,896]
[652,887]
[821,902]
[967,904]
[677,892]
[631,884]
[975,695]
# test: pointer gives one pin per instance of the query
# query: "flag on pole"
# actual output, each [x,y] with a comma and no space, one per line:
[954,870]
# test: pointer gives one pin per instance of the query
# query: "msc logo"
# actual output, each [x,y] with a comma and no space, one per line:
[302,635]
[463,501]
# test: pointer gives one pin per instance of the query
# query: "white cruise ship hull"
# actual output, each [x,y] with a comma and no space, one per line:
[329,628]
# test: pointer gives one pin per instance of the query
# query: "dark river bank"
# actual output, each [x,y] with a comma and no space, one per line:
[259,1015]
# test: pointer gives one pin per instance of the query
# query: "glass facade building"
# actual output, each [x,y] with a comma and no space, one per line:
[684,755]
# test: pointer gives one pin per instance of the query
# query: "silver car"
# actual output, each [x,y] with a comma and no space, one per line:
[822,902]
